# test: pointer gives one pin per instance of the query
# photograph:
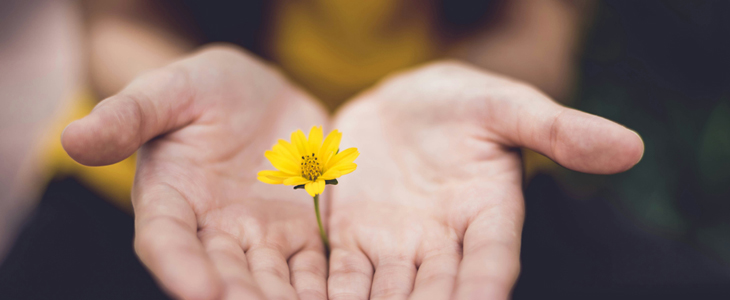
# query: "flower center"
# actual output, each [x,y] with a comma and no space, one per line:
[310,167]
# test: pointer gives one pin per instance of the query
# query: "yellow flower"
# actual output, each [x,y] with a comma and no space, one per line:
[309,162]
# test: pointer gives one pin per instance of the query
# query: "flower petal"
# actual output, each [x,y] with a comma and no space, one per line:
[344,157]
[300,141]
[271,173]
[292,149]
[330,146]
[296,180]
[319,186]
[283,164]
[309,187]
[272,177]
[269,180]
[345,169]
[315,187]
[331,174]
[279,149]
[315,139]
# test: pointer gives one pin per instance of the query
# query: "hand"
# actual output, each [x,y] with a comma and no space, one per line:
[435,209]
[205,227]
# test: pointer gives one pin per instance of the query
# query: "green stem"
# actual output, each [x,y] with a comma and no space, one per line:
[319,221]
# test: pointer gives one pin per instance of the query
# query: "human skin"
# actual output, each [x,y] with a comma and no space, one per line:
[205,227]
[115,60]
[208,277]
[40,46]
[435,208]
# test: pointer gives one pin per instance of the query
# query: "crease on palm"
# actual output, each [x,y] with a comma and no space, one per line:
[405,201]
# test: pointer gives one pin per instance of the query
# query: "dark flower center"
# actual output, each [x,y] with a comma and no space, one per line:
[310,167]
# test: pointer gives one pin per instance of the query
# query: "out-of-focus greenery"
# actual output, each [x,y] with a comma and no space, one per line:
[662,68]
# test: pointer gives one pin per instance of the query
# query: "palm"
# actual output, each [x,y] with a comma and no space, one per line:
[435,208]
[205,225]
[219,184]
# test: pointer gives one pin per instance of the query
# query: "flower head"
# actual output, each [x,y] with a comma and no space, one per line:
[311,162]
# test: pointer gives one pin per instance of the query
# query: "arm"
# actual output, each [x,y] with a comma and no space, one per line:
[537,42]
[127,38]
[40,46]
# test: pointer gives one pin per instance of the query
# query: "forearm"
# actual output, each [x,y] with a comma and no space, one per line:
[40,59]
[126,38]
[534,41]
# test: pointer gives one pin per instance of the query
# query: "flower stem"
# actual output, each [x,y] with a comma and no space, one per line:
[319,222]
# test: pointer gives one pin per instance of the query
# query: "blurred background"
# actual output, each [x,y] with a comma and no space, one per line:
[660,67]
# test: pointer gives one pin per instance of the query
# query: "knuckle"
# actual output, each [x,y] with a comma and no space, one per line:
[130,113]
[143,244]
[349,264]
[346,295]
[310,268]
[396,260]
[311,293]
[433,277]
[389,289]
[268,262]
[219,242]
[176,80]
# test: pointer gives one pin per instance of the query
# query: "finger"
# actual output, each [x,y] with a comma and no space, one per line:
[166,242]
[491,255]
[574,139]
[393,278]
[308,270]
[230,261]
[436,276]
[350,275]
[271,272]
[151,105]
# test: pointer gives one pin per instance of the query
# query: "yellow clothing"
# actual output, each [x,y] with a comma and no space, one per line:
[333,48]
[337,48]
[113,182]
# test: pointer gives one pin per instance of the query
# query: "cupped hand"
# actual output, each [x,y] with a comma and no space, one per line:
[205,227]
[435,209]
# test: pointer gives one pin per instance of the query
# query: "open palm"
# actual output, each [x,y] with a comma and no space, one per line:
[435,209]
[205,227]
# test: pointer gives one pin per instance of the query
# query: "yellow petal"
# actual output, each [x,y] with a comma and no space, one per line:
[279,149]
[331,174]
[272,177]
[269,180]
[283,164]
[345,169]
[309,187]
[330,146]
[271,173]
[300,141]
[296,180]
[292,149]
[319,186]
[315,139]
[315,188]
[347,156]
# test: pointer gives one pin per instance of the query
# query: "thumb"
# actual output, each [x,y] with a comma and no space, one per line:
[153,104]
[574,139]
